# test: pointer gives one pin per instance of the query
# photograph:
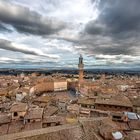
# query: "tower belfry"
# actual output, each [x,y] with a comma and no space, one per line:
[81,67]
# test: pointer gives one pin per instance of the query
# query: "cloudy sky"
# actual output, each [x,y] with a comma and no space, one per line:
[52,33]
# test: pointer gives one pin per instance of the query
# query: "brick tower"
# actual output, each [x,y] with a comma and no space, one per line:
[81,71]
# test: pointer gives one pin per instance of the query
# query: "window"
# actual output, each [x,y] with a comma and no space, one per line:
[15,114]
[48,124]
[57,123]
[110,106]
[21,117]
[83,105]
[116,117]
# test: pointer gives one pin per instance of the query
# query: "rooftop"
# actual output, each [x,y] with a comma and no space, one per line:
[34,113]
[87,101]
[19,107]
[5,118]
[43,99]
[118,100]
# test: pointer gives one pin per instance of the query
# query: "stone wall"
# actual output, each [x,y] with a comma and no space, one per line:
[83,130]
[44,87]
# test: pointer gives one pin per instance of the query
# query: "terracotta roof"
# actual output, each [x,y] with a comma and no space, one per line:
[105,96]
[118,100]
[52,119]
[133,135]
[62,96]
[19,107]
[86,101]
[63,100]
[43,99]
[15,127]
[5,118]
[62,132]
[136,102]
[44,79]
[34,113]
[134,124]
[32,126]
[123,125]
[91,96]
[50,111]
[4,129]
[107,125]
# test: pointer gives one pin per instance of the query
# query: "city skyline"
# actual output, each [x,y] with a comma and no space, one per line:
[53,33]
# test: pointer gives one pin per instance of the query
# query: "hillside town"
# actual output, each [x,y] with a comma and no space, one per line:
[103,108]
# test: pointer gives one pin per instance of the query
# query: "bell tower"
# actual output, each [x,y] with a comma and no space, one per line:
[81,71]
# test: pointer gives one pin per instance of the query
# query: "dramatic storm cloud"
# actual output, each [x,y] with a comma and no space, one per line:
[3,28]
[27,21]
[120,21]
[52,33]
[7,45]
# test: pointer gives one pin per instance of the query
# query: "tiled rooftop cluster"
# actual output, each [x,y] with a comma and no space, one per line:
[34,101]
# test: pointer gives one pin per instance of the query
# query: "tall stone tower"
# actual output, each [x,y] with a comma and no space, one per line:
[81,71]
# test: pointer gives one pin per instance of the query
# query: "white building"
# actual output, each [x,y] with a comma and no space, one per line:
[60,85]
